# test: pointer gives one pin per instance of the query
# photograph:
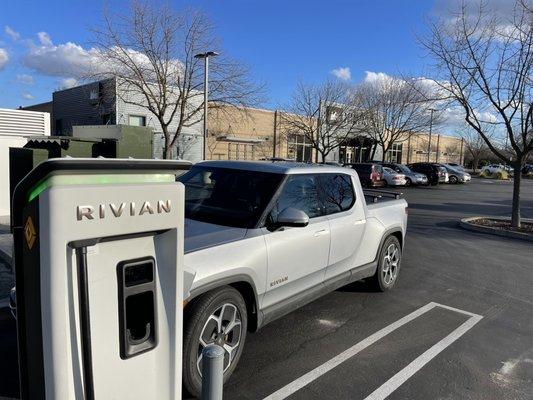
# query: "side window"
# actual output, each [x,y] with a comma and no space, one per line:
[337,192]
[300,192]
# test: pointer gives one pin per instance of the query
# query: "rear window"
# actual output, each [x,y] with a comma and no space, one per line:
[337,192]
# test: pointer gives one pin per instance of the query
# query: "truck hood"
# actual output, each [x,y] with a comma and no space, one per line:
[200,235]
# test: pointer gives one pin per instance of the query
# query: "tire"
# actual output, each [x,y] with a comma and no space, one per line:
[408,182]
[453,179]
[385,278]
[202,318]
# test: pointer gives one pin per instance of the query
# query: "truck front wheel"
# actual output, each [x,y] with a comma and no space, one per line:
[389,262]
[217,317]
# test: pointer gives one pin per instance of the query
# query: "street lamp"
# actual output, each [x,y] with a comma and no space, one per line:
[206,56]
[432,110]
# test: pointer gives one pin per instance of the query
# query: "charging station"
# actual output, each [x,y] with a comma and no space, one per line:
[98,246]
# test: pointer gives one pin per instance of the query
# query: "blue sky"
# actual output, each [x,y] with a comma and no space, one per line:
[282,41]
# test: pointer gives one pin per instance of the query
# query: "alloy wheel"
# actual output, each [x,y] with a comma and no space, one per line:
[224,328]
[390,264]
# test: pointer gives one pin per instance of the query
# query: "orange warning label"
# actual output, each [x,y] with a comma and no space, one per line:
[30,233]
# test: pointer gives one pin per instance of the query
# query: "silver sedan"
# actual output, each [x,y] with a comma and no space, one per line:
[393,178]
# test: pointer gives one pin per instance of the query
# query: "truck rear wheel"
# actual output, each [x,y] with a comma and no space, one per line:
[217,317]
[389,262]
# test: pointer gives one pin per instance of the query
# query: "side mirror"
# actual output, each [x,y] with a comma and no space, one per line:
[292,217]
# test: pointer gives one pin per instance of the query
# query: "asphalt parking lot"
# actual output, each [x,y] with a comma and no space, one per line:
[481,274]
[459,325]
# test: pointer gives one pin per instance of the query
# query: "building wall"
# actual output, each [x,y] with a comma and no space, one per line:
[247,134]
[15,127]
[98,103]
[444,149]
[190,142]
[252,134]
[5,143]
[88,104]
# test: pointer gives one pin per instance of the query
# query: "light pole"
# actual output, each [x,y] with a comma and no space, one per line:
[206,56]
[432,110]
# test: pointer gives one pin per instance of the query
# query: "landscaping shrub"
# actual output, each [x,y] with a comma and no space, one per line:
[502,175]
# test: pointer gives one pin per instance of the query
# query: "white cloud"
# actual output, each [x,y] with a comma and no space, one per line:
[27,96]
[67,83]
[25,79]
[44,38]
[64,60]
[500,12]
[376,76]
[4,58]
[70,60]
[13,34]
[342,73]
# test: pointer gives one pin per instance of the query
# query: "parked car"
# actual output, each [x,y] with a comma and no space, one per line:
[492,168]
[393,178]
[455,166]
[370,174]
[411,177]
[456,175]
[436,174]
[262,239]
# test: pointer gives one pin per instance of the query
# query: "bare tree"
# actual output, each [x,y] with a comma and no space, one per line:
[484,64]
[396,109]
[475,146]
[150,52]
[326,115]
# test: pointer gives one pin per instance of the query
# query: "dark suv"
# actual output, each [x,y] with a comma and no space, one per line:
[370,174]
[435,173]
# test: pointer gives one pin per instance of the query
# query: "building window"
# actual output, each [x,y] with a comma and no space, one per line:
[299,148]
[395,153]
[137,120]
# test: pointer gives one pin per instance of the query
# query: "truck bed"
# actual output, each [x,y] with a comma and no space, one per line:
[387,206]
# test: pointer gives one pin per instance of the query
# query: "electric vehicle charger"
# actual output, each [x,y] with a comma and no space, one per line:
[98,246]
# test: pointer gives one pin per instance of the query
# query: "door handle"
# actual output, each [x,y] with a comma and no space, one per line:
[321,232]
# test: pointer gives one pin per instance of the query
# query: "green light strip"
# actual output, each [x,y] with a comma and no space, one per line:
[105,179]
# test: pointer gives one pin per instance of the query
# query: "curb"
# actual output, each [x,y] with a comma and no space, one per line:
[466,223]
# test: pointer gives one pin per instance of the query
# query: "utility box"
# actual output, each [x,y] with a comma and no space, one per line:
[99,268]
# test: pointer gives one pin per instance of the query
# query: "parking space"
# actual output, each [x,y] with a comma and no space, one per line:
[485,275]
[355,343]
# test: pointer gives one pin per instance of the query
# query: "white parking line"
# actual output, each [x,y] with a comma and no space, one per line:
[398,379]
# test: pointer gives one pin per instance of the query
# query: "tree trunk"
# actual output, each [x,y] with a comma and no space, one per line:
[515,216]
[475,161]
[167,151]
[373,152]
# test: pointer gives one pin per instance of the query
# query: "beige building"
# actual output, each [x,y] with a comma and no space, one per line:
[255,134]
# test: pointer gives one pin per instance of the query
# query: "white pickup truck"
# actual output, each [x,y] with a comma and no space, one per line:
[264,238]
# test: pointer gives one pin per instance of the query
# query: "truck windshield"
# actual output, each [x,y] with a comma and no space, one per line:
[226,196]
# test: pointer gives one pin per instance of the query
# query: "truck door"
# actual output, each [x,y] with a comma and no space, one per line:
[297,257]
[347,223]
